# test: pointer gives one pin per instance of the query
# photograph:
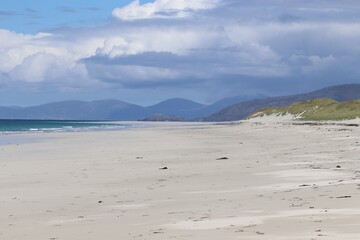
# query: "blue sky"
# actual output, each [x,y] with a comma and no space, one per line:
[147,51]
[33,16]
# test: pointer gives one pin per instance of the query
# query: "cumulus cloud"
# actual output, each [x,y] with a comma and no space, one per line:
[44,60]
[162,9]
[38,67]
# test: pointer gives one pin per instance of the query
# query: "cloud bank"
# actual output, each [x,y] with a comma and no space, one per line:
[214,47]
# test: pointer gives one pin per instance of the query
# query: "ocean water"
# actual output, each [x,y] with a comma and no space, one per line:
[16,126]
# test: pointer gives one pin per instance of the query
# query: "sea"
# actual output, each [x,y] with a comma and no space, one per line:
[14,132]
[23,126]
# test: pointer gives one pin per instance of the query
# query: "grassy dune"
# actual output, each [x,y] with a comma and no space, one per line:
[316,109]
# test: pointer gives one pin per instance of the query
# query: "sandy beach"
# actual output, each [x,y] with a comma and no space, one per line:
[246,180]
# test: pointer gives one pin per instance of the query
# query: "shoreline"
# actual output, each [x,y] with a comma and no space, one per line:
[240,180]
[109,126]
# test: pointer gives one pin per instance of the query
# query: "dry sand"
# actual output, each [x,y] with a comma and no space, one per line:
[280,181]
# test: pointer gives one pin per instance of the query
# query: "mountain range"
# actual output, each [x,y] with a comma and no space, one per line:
[228,109]
[177,108]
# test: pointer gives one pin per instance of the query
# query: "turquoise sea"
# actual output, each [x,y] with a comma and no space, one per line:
[16,126]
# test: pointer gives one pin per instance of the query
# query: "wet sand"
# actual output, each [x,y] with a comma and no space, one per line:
[248,180]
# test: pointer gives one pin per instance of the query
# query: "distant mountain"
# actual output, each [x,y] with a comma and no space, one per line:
[313,110]
[76,110]
[176,106]
[190,110]
[240,111]
[163,118]
[9,112]
[221,104]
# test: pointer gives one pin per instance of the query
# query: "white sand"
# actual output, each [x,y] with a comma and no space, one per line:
[280,182]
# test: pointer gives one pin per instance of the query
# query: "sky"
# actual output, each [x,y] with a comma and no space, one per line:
[144,52]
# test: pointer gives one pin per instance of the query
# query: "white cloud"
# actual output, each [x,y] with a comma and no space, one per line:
[45,58]
[162,9]
[14,48]
[39,67]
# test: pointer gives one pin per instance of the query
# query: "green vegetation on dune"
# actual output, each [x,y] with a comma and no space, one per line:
[316,109]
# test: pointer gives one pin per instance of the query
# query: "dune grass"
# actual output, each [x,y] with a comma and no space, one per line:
[316,109]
